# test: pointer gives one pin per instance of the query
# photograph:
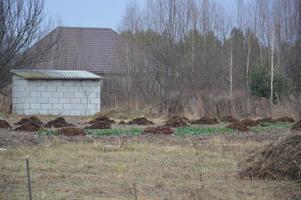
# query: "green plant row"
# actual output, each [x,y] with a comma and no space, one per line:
[269,127]
[183,131]
[115,131]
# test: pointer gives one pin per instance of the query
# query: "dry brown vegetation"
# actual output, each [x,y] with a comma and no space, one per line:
[279,160]
[188,170]
[162,166]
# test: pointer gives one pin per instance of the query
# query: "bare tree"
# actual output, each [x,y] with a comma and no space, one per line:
[22,24]
[200,47]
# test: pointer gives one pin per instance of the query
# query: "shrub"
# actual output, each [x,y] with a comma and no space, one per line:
[260,83]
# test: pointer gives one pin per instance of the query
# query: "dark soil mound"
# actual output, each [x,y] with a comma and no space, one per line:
[71,131]
[122,122]
[238,126]
[249,122]
[164,130]
[285,119]
[297,126]
[176,121]
[103,119]
[28,127]
[279,160]
[141,121]
[59,122]
[99,125]
[266,120]
[32,119]
[4,124]
[205,120]
[179,117]
[229,119]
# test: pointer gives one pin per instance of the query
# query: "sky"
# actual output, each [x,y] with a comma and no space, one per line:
[92,13]
[87,13]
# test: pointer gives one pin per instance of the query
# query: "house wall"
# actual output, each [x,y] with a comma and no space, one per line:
[55,97]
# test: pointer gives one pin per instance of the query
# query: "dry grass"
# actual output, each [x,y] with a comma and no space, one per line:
[202,170]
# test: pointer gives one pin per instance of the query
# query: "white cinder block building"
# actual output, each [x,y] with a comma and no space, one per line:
[55,92]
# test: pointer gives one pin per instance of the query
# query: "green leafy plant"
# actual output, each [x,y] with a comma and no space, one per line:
[266,127]
[115,131]
[47,132]
[202,131]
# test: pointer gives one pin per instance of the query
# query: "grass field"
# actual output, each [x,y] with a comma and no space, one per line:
[160,171]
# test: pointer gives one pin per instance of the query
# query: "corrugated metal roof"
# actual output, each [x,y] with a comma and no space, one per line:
[55,74]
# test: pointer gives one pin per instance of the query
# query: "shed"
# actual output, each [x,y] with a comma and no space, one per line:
[55,92]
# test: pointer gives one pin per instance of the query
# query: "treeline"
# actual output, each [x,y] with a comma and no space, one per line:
[200,48]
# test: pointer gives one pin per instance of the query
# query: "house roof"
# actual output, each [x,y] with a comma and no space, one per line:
[32,74]
[92,49]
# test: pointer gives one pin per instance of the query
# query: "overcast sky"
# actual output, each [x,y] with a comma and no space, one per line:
[92,13]
[87,13]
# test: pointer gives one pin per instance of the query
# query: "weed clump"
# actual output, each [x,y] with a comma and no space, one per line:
[279,160]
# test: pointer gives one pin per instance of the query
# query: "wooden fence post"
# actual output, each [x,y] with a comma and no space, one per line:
[28,179]
[135,191]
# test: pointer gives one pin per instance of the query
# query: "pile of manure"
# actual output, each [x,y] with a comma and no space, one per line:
[103,119]
[229,119]
[205,120]
[285,119]
[239,126]
[176,121]
[140,121]
[99,125]
[72,131]
[29,127]
[30,120]
[266,120]
[297,126]
[164,130]
[249,122]
[4,124]
[59,122]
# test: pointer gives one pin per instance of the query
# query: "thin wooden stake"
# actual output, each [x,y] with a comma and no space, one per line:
[135,191]
[28,179]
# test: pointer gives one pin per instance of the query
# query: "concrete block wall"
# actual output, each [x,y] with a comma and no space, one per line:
[56,97]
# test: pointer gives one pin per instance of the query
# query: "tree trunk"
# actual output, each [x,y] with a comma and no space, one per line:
[272,68]
[231,74]
[248,63]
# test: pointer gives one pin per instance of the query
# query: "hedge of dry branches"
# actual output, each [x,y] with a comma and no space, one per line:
[279,160]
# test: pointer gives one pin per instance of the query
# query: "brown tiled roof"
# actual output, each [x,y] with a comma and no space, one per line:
[91,49]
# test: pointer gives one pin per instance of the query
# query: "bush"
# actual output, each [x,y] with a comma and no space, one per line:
[260,83]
